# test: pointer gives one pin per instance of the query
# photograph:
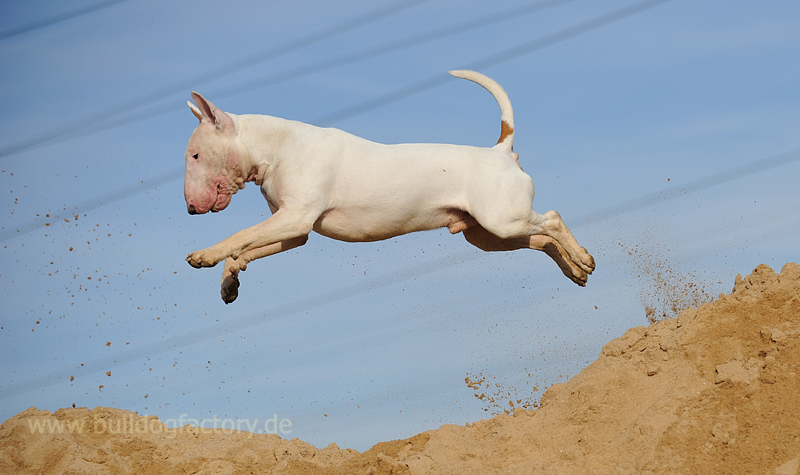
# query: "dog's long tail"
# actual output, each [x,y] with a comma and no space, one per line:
[506,141]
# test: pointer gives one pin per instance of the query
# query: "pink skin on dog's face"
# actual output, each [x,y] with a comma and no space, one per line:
[208,198]
[213,168]
[223,199]
[211,172]
[208,195]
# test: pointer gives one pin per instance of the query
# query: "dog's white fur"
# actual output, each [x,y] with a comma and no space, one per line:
[348,188]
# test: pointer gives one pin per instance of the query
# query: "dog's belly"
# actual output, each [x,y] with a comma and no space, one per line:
[350,226]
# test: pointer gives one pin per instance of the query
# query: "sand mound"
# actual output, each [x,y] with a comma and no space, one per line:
[714,391]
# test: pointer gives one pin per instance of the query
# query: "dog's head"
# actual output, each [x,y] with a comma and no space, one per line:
[213,160]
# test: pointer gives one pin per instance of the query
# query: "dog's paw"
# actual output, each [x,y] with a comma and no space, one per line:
[230,288]
[203,258]
[579,270]
[590,264]
[575,273]
[568,267]
[584,260]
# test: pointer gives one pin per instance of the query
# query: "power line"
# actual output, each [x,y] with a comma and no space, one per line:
[57,19]
[421,86]
[693,186]
[114,121]
[104,199]
[390,47]
[493,60]
[215,73]
[349,291]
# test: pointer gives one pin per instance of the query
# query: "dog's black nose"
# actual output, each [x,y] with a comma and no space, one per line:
[192,210]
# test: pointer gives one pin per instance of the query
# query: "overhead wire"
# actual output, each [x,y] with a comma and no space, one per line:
[492,60]
[113,120]
[45,22]
[327,64]
[694,186]
[513,13]
[104,199]
[218,72]
[428,83]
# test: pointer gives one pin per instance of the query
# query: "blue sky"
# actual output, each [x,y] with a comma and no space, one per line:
[668,140]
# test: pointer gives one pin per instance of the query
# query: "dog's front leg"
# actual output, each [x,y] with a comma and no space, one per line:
[282,226]
[229,287]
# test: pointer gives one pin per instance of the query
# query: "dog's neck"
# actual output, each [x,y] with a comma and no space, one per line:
[261,138]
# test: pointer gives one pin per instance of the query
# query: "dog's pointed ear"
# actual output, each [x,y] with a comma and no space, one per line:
[211,113]
[195,111]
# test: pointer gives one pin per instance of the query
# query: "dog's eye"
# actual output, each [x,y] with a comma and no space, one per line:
[196,156]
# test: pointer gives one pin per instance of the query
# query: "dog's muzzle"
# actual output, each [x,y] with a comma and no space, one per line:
[192,210]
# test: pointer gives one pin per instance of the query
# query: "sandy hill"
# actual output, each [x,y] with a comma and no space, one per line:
[714,391]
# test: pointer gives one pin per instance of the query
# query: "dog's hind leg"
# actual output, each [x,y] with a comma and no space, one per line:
[553,226]
[508,215]
[230,274]
[479,237]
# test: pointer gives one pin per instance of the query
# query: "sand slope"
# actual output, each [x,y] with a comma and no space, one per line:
[715,391]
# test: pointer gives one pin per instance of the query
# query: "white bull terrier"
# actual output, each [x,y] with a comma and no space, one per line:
[348,188]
